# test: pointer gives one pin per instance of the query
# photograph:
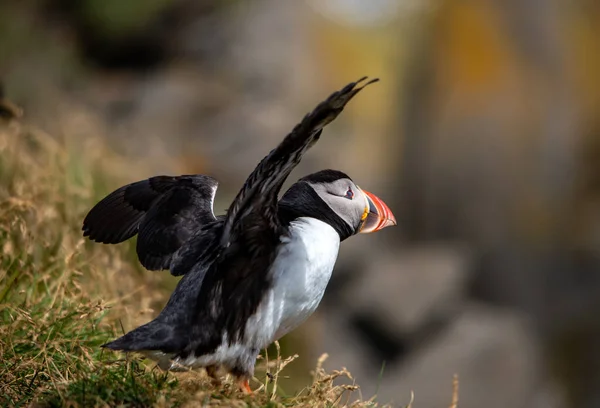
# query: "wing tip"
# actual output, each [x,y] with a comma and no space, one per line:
[363,79]
[355,88]
[100,239]
[340,98]
[89,234]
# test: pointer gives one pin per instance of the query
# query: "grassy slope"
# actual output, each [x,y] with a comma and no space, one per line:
[60,296]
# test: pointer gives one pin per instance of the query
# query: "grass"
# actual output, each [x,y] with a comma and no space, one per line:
[62,297]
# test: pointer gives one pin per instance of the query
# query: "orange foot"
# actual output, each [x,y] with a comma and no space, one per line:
[245,386]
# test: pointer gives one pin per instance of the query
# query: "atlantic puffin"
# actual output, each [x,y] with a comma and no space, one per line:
[251,275]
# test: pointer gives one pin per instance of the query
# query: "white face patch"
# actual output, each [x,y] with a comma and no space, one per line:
[336,196]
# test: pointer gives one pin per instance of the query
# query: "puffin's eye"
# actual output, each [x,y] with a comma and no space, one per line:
[349,194]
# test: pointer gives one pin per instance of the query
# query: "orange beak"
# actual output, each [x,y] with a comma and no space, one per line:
[377,215]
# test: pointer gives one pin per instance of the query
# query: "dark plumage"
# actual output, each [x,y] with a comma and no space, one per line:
[227,261]
[164,211]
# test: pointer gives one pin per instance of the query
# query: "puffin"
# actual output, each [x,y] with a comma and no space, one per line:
[251,275]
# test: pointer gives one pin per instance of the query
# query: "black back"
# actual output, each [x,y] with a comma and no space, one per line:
[229,260]
[252,228]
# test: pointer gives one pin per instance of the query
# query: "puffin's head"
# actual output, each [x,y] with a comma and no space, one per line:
[332,197]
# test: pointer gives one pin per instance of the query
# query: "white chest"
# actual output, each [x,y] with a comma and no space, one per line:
[300,273]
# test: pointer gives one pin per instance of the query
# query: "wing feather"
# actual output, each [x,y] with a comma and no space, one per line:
[260,190]
[164,211]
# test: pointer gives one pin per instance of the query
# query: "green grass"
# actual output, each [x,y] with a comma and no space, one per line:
[62,297]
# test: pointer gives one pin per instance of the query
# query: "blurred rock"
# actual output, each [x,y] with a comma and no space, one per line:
[379,317]
[494,353]
[408,288]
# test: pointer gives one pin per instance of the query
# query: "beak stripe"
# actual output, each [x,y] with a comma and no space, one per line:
[379,214]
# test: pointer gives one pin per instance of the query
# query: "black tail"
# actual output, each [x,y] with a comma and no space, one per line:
[154,335]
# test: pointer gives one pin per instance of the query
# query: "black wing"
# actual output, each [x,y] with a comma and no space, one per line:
[225,265]
[164,211]
[251,230]
[260,190]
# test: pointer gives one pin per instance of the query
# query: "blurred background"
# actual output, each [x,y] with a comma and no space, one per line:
[483,137]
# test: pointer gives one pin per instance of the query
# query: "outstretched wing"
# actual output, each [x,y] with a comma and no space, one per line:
[259,193]
[164,211]
[251,231]
[225,270]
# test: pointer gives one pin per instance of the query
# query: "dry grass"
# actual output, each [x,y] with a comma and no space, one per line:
[60,296]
